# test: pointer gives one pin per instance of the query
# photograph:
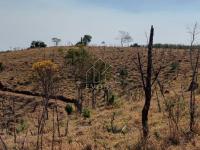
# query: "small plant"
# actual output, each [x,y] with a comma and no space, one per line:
[174,66]
[175,110]
[111,99]
[113,127]
[61,50]
[69,109]
[86,113]
[22,126]
[123,74]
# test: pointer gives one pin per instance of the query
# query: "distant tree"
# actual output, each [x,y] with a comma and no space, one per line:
[56,41]
[124,37]
[135,45]
[85,40]
[103,42]
[38,44]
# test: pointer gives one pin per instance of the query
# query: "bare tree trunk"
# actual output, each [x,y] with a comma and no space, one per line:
[58,121]
[53,134]
[122,43]
[23,143]
[158,101]
[14,130]
[2,144]
[80,99]
[148,87]
[67,127]
[93,97]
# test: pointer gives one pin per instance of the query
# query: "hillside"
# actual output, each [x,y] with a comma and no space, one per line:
[95,132]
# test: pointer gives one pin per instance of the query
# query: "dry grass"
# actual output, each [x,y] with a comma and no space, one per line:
[93,132]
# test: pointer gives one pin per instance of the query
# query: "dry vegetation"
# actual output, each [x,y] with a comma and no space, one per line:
[113,126]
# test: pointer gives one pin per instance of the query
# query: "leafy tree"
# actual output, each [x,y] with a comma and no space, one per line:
[79,60]
[84,40]
[87,39]
[56,41]
[86,69]
[38,44]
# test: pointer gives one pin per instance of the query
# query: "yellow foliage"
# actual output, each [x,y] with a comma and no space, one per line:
[45,65]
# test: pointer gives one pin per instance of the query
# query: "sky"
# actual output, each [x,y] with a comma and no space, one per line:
[23,21]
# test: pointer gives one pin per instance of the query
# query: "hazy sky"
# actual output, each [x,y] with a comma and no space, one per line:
[25,20]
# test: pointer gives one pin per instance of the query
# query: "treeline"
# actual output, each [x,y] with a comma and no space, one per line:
[174,46]
[170,46]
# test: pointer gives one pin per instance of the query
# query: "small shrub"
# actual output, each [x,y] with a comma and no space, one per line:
[86,113]
[69,109]
[88,147]
[61,51]
[22,126]
[123,72]
[111,99]
[174,66]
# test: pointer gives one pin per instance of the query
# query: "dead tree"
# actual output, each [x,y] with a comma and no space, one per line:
[79,103]
[147,83]
[148,86]
[53,133]
[194,61]
[14,123]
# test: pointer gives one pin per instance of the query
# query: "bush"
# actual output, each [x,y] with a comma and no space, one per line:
[22,126]
[86,113]
[123,74]
[111,99]
[69,109]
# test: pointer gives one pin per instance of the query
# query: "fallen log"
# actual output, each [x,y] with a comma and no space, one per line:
[30,93]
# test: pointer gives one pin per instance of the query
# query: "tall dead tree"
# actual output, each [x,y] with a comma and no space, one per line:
[194,61]
[148,86]
[147,83]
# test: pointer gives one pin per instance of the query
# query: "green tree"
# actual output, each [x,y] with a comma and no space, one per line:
[84,40]
[38,44]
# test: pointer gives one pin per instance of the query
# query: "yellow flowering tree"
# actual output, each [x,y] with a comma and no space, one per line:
[45,73]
